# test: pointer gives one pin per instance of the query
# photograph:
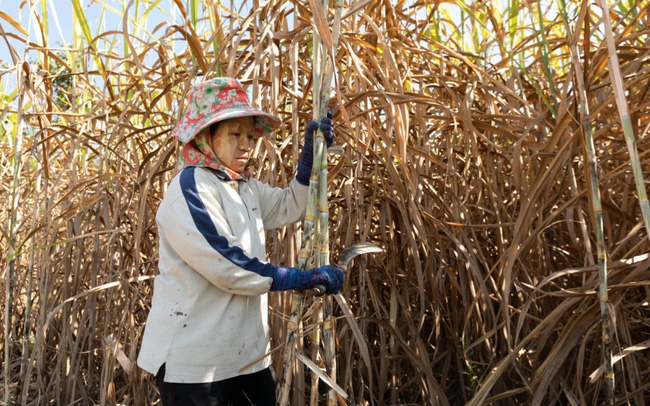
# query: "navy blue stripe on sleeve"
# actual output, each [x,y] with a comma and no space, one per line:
[207,228]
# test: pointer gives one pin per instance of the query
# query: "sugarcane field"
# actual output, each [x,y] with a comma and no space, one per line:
[438,202]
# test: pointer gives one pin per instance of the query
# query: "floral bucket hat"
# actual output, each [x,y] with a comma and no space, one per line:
[217,100]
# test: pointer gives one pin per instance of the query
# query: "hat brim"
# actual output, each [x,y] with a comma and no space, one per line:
[265,123]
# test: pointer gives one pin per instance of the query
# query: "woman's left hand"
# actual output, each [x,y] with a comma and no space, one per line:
[306,161]
[326,126]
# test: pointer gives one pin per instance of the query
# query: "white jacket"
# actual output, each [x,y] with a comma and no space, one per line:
[208,316]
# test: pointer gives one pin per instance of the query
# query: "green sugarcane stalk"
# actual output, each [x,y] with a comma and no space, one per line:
[606,317]
[328,321]
[307,245]
[328,305]
[308,239]
[317,317]
[318,57]
[321,245]
[585,115]
[322,253]
[316,234]
[621,102]
[321,101]
[297,297]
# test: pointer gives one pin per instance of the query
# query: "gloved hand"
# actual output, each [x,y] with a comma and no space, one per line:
[285,278]
[307,159]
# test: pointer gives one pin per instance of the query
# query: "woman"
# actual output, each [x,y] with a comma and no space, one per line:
[208,317]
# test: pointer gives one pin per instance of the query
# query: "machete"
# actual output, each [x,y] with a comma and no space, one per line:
[344,260]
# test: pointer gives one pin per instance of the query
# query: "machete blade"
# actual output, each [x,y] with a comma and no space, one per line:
[357,249]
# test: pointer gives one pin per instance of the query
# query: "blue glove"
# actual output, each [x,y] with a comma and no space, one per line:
[285,278]
[307,160]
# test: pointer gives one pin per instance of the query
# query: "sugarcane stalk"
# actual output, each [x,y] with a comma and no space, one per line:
[606,317]
[307,246]
[316,234]
[297,297]
[628,131]
[289,349]
[317,316]
[318,58]
[621,102]
[321,245]
[329,341]
[317,319]
[585,116]
[328,305]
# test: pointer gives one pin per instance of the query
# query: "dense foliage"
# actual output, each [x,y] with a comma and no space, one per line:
[466,154]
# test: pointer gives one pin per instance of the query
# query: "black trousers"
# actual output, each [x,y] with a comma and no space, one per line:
[256,389]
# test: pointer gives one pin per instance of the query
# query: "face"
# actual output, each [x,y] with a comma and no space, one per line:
[233,140]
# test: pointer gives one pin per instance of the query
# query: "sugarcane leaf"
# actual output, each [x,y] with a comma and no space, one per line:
[13,22]
[322,375]
[82,21]
[320,21]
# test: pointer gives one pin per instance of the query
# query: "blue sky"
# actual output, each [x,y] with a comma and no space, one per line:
[62,13]
[102,16]
[60,20]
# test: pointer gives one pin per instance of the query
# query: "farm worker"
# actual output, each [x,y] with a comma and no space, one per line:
[208,316]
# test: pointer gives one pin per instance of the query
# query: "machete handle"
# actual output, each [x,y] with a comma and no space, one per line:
[319,289]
